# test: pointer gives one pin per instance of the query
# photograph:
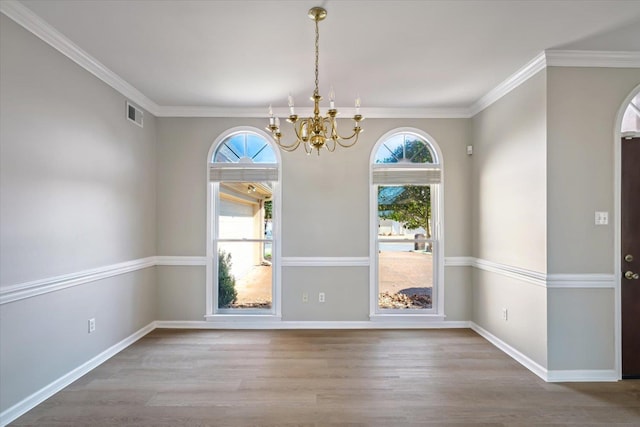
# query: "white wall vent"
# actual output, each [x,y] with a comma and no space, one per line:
[135,114]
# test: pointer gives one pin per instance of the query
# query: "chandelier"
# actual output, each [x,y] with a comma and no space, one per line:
[316,132]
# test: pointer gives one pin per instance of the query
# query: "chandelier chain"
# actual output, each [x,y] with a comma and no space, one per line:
[317,56]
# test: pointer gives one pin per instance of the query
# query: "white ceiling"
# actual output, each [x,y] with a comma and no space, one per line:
[396,54]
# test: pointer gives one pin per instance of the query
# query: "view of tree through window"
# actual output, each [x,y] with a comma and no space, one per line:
[405,255]
[405,231]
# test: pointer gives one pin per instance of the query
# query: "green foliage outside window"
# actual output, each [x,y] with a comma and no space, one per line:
[227,293]
[412,206]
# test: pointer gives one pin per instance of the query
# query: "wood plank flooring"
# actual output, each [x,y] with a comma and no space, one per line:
[327,378]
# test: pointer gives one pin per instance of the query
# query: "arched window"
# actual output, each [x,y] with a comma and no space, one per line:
[406,241]
[242,243]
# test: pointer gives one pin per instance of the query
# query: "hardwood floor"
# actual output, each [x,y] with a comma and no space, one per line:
[327,378]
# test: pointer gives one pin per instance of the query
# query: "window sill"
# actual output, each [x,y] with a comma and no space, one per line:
[407,318]
[242,318]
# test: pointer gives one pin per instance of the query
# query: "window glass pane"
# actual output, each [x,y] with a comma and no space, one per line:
[405,269]
[416,151]
[404,211]
[244,276]
[254,145]
[405,276]
[236,143]
[243,211]
[266,155]
[631,118]
[391,151]
[224,154]
[245,148]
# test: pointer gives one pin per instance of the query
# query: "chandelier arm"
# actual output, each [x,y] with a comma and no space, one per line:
[331,147]
[289,148]
[356,132]
[286,147]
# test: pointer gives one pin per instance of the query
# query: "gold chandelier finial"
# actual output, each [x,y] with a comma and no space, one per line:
[316,132]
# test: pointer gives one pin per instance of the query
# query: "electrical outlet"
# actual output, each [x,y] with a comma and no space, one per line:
[305,297]
[505,313]
[602,218]
[321,297]
[92,325]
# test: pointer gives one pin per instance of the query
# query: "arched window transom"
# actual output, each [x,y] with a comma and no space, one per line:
[404,148]
[244,147]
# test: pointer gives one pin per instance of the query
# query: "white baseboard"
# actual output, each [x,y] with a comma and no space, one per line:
[519,357]
[49,390]
[551,376]
[308,325]
[580,375]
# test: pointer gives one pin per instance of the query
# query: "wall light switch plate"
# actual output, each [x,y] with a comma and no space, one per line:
[602,218]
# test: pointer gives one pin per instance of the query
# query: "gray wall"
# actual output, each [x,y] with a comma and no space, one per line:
[509,183]
[78,192]
[509,216]
[583,103]
[543,164]
[315,191]
[582,108]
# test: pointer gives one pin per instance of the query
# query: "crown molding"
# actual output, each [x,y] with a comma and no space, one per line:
[41,29]
[556,58]
[345,112]
[415,113]
[592,58]
[513,81]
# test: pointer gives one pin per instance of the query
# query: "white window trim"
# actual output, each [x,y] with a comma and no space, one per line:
[212,313]
[437,194]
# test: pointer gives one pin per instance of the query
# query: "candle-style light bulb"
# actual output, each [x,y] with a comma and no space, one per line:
[332,99]
[358,104]
[291,106]
[272,120]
